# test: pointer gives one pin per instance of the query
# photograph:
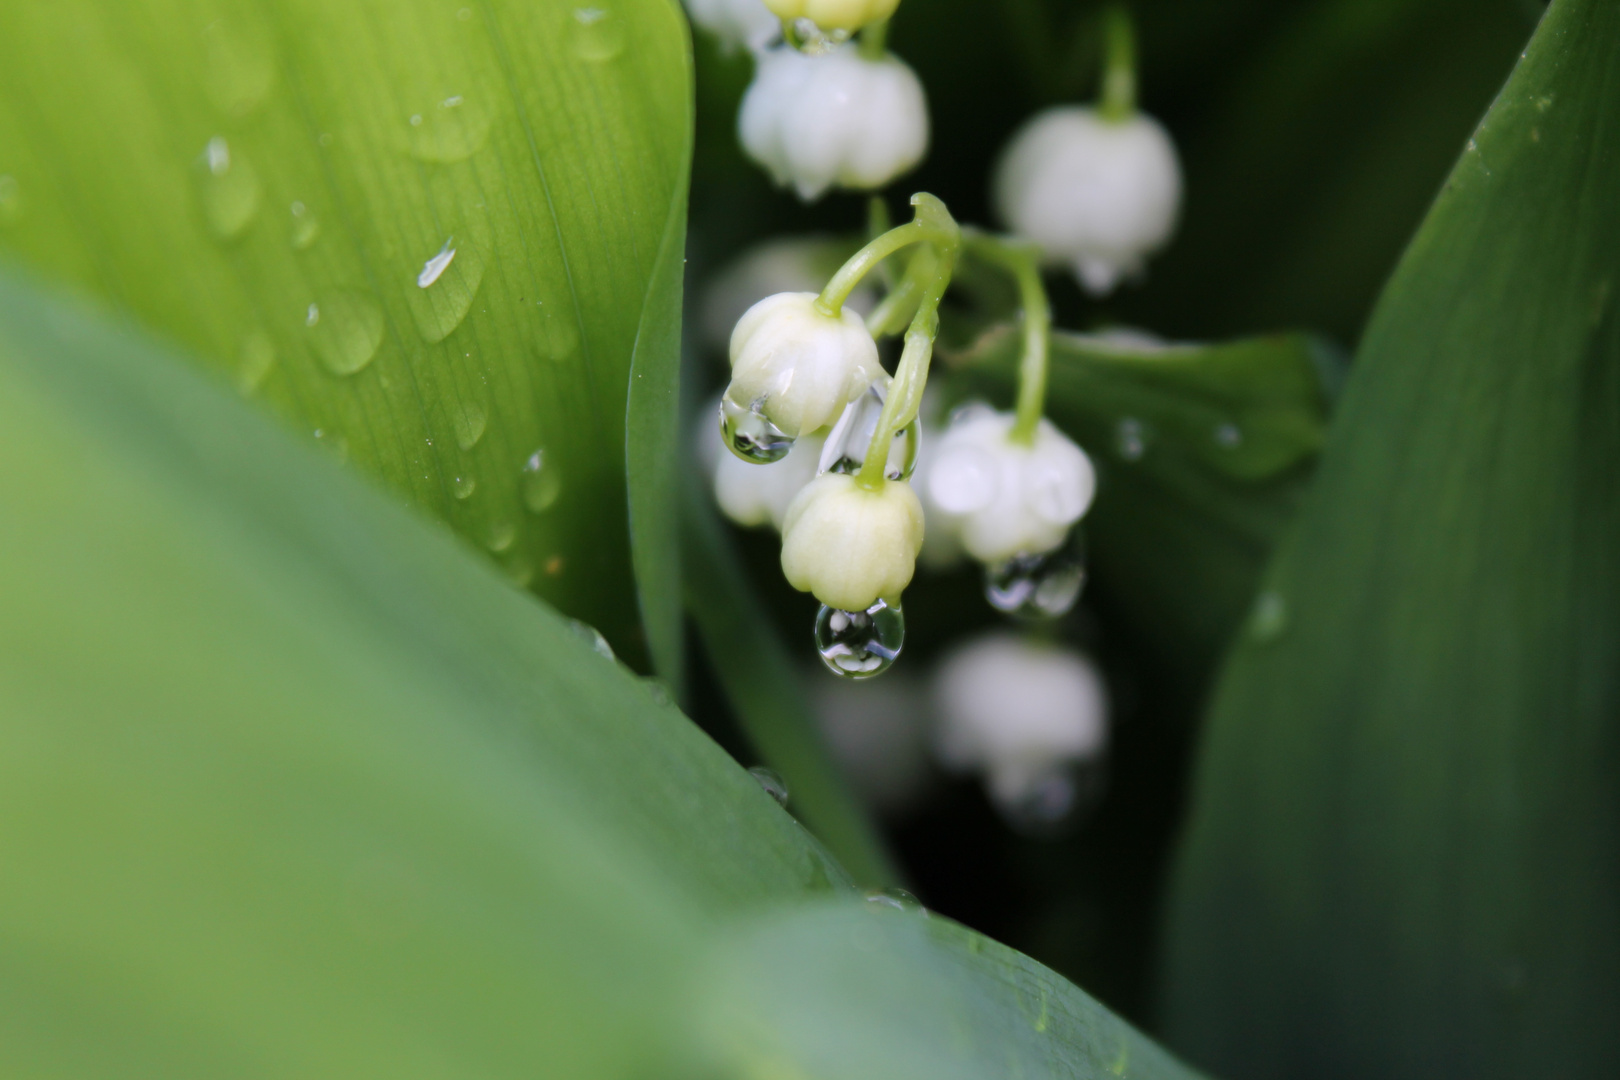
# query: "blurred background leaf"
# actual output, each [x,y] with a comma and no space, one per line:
[1404,856]
[280,187]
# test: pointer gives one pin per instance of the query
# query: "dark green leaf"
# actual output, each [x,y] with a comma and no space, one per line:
[1404,858]
[266,183]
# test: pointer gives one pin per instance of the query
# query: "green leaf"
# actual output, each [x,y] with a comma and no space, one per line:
[291,785]
[270,183]
[829,990]
[767,693]
[1404,855]
[1202,451]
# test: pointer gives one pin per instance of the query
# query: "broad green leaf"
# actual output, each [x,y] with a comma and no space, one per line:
[1202,451]
[292,785]
[279,186]
[832,991]
[767,693]
[1404,855]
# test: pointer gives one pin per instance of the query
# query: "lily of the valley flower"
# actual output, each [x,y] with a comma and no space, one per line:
[849,545]
[747,23]
[833,15]
[833,118]
[798,367]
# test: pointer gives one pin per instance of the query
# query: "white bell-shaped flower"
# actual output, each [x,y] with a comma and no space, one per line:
[832,15]
[1000,498]
[798,367]
[851,546]
[748,23]
[1024,714]
[1097,194]
[833,118]
[942,548]
[751,494]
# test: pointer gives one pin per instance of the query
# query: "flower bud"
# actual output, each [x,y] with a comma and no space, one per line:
[851,546]
[751,494]
[736,22]
[797,367]
[836,117]
[1022,712]
[1097,194]
[1001,498]
[846,15]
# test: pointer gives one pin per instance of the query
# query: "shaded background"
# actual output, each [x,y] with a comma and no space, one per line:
[1313,138]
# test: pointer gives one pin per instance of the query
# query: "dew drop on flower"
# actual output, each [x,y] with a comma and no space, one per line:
[773,784]
[846,446]
[751,436]
[1042,586]
[860,644]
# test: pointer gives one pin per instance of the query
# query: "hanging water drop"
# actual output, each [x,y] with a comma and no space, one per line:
[542,483]
[306,229]
[773,784]
[846,446]
[345,329]
[230,190]
[1131,439]
[254,361]
[462,487]
[860,644]
[1050,801]
[448,128]
[444,289]
[470,421]
[749,435]
[597,34]
[1043,586]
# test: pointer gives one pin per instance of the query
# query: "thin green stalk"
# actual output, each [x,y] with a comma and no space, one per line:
[921,230]
[1022,261]
[874,39]
[894,311]
[1118,97]
[911,375]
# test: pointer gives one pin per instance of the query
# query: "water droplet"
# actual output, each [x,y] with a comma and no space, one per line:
[345,329]
[1050,801]
[750,435]
[11,205]
[898,899]
[860,644]
[542,484]
[1269,618]
[1043,586]
[451,128]
[306,228]
[1131,439]
[659,690]
[241,66]
[597,34]
[502,535]
[254,359]
[850,438]
[230,190]
[591,636]
[443,290]
[1228,435]
[773,784]
[333,441]
[470,420]
[462,487]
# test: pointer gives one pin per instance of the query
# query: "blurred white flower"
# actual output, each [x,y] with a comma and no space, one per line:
[998,498]
[845,15]
[797,367]
[736,22]
[833,118]
[751,494]
[1098,195]
[1024,714]
[787,264]
[941,548]
[851,546]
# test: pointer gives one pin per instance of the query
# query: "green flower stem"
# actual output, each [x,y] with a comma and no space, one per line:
[895,310]
[932,225]
[874,39]
[1118,97]
[911,375]
[1022,261]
